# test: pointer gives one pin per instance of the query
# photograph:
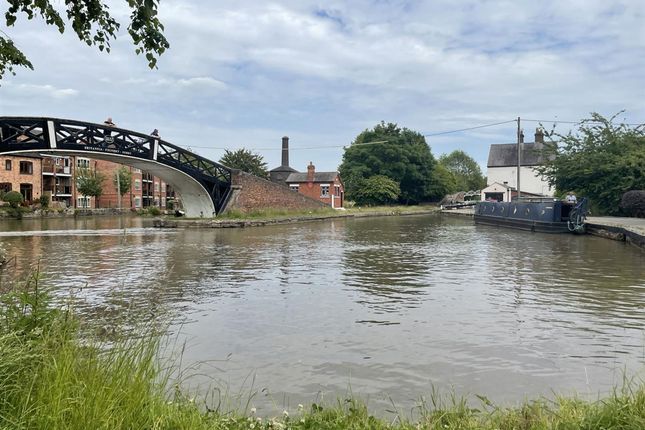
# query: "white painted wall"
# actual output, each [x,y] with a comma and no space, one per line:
[530,181]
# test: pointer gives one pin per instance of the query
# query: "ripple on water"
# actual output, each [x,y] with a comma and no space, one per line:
[389,306]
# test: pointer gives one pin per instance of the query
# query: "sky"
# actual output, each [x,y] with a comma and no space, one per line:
[242,74]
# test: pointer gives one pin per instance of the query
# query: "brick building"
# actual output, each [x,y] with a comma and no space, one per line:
[53,177]
[22,174]
[324,186]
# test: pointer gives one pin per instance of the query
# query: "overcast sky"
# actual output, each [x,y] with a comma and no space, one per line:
[245,73]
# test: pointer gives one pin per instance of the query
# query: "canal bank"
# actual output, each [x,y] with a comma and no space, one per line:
[630,230]
[286,219]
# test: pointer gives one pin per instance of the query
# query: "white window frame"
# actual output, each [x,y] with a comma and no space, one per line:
[322,190]
[83,202]
[82,163]
[294,187]
[137,185]
[137,202]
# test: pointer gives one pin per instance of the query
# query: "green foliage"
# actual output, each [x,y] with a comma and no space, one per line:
[633,203]
[154,211]
[14,198]
[400,154]
[468,176]
[89,182]
[245,161]
[92,23]
[600,161]
[376,190]
[44,202]
[123,180]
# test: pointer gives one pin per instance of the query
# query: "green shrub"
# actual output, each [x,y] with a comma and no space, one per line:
[44,202]
[154,211]
[14,198]
[633,203]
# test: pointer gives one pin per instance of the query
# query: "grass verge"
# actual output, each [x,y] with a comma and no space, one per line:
[52,379]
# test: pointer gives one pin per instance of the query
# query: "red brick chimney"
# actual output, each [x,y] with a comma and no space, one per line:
[311,169]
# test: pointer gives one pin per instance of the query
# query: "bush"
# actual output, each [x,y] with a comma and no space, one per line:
[154,211]
[14,198]
[633,203]
[44,202]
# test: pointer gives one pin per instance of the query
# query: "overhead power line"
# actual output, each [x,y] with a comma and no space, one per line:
[441,133]
[469,128]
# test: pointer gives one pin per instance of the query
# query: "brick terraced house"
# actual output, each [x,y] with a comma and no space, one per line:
[324,186]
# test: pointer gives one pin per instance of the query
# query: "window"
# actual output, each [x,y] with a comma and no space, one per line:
[163,202]
[83,202]
[156,187]
[7,164]
[135,170]
[324,190]
[163,187]
[156,203]
[83,163]
[137,202]
[26,168]
[5,187]
[295,187]
[337,190]
[137,185]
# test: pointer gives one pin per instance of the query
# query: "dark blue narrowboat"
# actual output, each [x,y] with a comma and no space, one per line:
[539,215]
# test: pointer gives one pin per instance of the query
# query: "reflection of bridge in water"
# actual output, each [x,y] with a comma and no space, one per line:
[203,185]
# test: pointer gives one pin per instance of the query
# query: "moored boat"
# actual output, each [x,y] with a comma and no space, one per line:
[540,215]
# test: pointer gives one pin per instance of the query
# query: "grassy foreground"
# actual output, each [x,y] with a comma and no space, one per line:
[50,379]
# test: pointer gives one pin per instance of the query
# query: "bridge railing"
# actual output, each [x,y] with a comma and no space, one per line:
[36,134]
[29,133]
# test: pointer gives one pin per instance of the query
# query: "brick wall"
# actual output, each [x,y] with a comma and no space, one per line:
[251,193]
[10,173]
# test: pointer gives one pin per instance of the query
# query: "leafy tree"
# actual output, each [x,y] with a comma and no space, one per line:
[399,154]
[600,161]
[468,176]
[124,181]
[92,23]
[443,181]
[377,190]
[246,161]
[14,198]
[89,182]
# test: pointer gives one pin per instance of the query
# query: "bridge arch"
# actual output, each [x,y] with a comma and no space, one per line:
[204,185]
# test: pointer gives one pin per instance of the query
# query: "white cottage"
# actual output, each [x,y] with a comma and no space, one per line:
[502,166]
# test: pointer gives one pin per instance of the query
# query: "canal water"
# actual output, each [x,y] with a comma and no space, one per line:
[389,309]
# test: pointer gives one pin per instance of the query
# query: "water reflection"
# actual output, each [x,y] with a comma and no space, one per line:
[391,306]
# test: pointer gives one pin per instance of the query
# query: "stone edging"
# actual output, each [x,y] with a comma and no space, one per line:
[215,223]
[617,233]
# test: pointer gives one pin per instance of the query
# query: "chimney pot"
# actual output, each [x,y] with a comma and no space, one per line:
[539,137]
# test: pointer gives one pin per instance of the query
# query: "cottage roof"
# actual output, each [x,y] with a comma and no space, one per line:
[505,155]
[318,177]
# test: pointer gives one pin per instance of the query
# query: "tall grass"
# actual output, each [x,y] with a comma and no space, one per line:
[52,379]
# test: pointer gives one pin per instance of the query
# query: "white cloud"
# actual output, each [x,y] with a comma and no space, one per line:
[250,72]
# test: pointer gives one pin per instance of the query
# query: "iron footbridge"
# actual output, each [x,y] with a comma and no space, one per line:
[204,185]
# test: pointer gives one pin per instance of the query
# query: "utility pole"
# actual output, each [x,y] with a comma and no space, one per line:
[519,150]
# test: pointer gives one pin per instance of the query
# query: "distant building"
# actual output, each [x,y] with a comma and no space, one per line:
[281,173]
[502,166]
[21,174]
[324,186]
